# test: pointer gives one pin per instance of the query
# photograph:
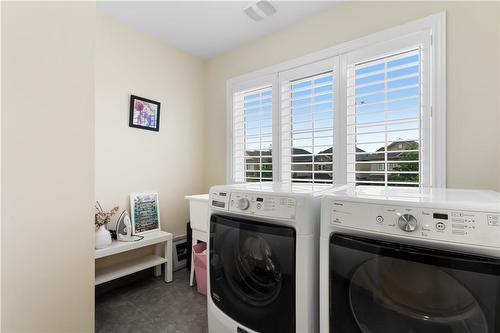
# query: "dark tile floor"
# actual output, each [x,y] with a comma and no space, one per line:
[143,303]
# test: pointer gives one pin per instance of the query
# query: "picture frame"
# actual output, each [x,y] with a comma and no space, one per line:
[180,252]
[144,113]
[145,212]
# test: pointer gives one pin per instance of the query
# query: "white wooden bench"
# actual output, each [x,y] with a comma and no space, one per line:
[163,255]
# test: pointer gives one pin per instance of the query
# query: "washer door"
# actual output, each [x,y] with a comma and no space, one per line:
[252,273]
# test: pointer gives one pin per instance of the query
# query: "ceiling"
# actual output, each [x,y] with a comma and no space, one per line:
[207,28]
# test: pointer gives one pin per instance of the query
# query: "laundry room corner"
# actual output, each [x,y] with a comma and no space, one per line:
[253,167]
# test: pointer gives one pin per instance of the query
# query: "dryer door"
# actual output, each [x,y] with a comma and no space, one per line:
[252,273]
[383,287]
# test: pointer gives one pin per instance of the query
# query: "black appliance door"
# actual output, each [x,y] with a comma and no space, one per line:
[384,287]
[252,273]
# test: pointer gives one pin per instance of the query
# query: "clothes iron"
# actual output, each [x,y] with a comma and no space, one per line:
[124,229]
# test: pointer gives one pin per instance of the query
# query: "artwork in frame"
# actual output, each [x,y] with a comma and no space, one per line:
[145,211]
[180,254]
[144,113]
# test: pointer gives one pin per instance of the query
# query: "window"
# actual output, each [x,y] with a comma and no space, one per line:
[253,135]
[307,108]
[367,112]
[385,102]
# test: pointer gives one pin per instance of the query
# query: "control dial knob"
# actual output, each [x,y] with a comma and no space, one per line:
[408,223]
[243,203]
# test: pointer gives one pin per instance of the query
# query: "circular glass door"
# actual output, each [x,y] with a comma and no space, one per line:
[253,271]
[394,295]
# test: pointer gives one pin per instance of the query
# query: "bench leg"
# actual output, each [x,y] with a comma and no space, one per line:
[168,265]
[158,252]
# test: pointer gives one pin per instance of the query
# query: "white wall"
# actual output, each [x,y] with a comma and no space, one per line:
[473,138]
[133,160]
[47,166]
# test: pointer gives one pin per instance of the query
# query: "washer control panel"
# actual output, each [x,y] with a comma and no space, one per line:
[469,227]
[219,200]
[262,205]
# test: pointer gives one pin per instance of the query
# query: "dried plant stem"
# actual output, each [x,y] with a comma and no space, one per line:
[102,217]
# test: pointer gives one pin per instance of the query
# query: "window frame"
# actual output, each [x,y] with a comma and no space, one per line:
[434,25]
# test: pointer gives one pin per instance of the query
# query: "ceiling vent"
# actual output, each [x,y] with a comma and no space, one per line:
[259,10]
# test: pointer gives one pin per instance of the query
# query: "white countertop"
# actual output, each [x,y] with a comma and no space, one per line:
[197,197]
[285,188]
[465,199]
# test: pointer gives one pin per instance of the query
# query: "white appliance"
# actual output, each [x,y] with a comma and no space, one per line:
[263,257]
[124,227]
[410,260]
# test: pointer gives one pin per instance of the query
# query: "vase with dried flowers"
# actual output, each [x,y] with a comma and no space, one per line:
[102,218]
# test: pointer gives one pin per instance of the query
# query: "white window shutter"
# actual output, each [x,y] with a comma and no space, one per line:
[387,108]
[362,115]
[307,112]
[252,134]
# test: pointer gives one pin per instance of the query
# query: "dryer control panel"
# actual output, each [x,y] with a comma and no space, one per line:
[469,227]
[262,205]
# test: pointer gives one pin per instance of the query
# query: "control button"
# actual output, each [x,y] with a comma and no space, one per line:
[407,223]
[259,205]
[243,203]
[380,219]
[336,220]
[458,232]
[440,226]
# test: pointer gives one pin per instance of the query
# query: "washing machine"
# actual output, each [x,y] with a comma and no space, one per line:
[263,257]
[401,260]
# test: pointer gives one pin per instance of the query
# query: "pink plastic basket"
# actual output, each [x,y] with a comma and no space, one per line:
[200,267]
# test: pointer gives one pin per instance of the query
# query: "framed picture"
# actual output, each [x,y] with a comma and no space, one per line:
[145,212]
[144,113]
[180,247]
